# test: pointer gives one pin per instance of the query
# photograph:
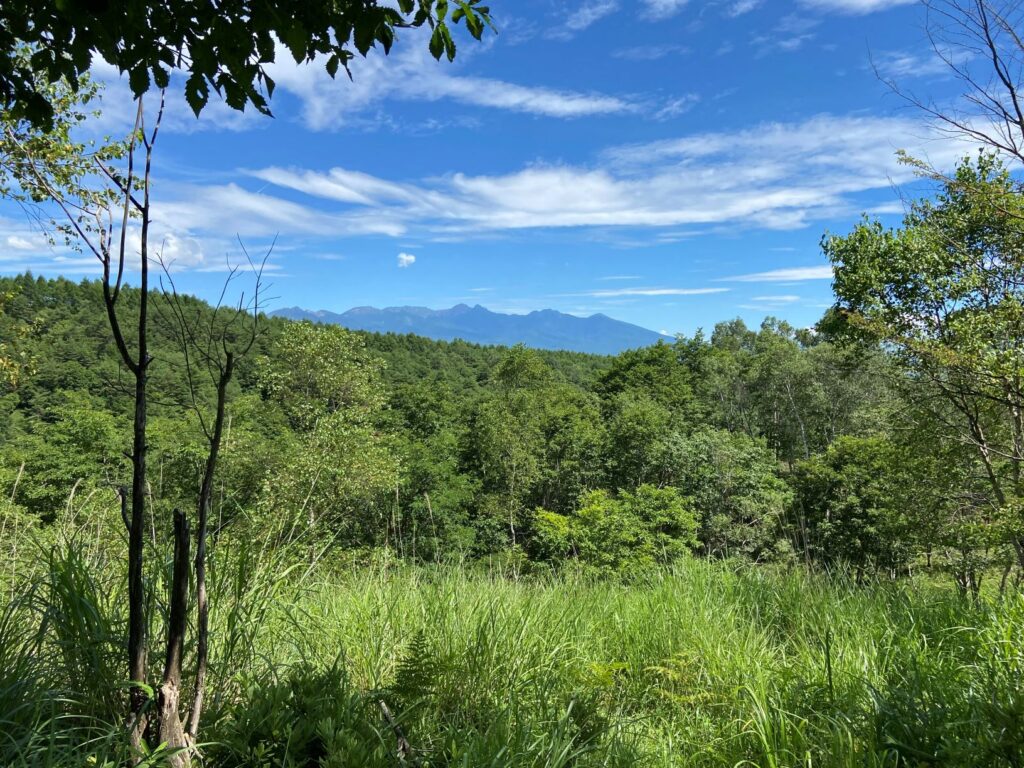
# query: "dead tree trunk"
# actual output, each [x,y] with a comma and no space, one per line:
[214,347]
[205,504]
[170,731]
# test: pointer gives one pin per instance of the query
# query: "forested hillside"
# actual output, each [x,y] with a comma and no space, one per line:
[771,445]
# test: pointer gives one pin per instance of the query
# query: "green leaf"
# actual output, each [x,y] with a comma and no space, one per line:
[474,25]
[234,94]
[265,47]
[363,38]
[161,77]
[197,92]
[437,43]
[296,39]
[449,43]
[138,80]
[387,38]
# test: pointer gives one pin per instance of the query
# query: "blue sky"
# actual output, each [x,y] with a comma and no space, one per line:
[665,162]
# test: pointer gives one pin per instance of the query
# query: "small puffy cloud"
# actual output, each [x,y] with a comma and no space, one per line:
[19,243]
[406,260]
[662,9]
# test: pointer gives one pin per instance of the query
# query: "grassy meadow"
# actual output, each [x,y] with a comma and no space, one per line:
[708,664]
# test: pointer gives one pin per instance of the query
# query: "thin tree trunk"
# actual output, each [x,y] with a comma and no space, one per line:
[136,532]
[205,505]
[17,480]
[170,731]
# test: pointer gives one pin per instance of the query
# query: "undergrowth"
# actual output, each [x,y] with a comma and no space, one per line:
[707,665]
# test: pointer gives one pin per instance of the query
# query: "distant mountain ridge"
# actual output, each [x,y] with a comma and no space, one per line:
[543,329]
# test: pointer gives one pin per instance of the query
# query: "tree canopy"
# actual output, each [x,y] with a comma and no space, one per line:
[223,46]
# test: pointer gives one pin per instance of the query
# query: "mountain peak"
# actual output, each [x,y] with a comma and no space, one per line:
[543,328]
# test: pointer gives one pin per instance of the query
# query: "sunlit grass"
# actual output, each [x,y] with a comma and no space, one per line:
[709,665]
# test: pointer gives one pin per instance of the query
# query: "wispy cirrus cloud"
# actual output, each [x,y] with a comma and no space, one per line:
[774,175]
[229,208]
[617,292]
[583,18]
[784,275]
[649,52]
[903,65]
[854,7]
[789,34]
[409,74]
[741,7]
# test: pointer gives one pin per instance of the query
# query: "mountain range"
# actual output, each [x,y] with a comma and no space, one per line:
[542,329]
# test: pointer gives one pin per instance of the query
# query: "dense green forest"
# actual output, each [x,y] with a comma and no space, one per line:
[770,445]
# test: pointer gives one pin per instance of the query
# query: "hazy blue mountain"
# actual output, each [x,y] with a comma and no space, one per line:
[544,329]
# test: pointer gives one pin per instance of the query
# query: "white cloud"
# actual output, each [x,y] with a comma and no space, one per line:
[411,74]
[649,52]
[902,65]
[661,9]
[406,260]
[774,175]
[176,250]
[28,249]
[229,210]
[20,243]
[741,7]
[789,34]
[784,299]
[785,275]
[590,13]
[548,102]
[616,292]
[855,7]
[799,172]
[677,106]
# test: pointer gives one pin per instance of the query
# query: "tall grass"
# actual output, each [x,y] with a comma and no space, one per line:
[706,665]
